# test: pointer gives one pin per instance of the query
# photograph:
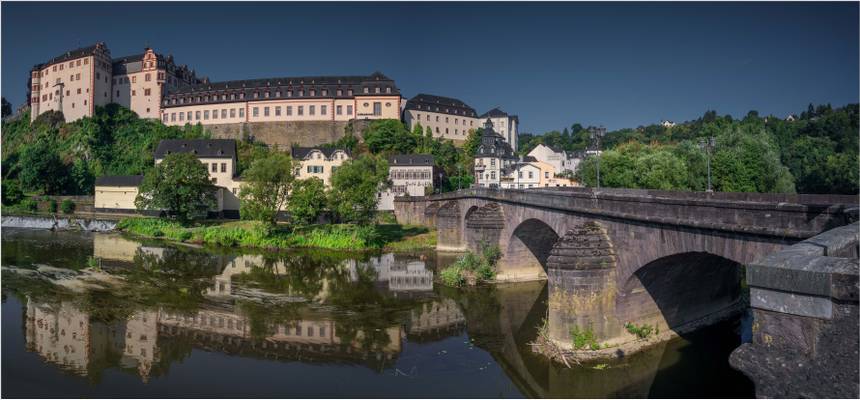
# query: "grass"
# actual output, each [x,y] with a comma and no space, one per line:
[259,235]
[472,268]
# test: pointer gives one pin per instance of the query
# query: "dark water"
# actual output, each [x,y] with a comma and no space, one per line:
[158,320]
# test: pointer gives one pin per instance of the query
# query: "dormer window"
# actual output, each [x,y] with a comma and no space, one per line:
[366,90]
[313,92]
[349,92]
[301,93]
[388,89]
[256,95]
[325,92]
[278,93]
[376,90]
[266,95]
[340,92]
[289,93]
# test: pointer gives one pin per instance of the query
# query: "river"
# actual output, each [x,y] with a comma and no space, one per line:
[104,315]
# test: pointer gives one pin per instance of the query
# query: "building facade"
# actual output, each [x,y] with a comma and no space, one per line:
[326,98]
[561,160]
[505,125]
[319,162]
[410,174]
[76,82]
[492,158]
[447,117]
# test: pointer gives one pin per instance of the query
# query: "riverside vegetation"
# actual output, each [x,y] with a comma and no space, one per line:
[472,269]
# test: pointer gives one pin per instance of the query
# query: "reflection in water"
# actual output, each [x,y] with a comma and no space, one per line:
[327,315]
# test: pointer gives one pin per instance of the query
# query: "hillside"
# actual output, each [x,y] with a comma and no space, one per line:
[53,157]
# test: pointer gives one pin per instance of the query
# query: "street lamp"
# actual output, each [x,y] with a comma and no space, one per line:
[459,175]
[596,136]
[708,144]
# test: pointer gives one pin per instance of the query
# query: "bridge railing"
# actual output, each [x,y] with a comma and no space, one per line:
[784,215]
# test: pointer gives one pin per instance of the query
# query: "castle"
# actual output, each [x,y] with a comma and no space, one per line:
[282,111]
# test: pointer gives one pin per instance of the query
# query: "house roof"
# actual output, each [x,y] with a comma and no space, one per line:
[411,160]
[493,144]
[119,180]
[202,148]
[300,153]
[70,55]
[286,86]
[440,104]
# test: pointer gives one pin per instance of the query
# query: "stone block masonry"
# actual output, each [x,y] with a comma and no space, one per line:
[805,309]
[284,134]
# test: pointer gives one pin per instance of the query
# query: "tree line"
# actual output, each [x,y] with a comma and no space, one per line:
[817,152]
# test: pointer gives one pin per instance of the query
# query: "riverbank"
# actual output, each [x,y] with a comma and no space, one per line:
[59,222]
[252,234]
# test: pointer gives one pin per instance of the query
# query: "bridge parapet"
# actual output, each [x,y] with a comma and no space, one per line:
[782,215]
[805,309]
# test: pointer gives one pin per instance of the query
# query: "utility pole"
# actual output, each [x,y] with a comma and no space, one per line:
[708,145]
[596,135]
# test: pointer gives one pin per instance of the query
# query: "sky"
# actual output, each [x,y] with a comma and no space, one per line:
[553,64]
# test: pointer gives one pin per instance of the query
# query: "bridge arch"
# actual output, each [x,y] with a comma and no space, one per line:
[529,245]
[674,291]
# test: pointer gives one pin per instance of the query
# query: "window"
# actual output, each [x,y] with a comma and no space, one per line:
[147,77]
[546,174]
[366,90]
[323,110]
[325,92]
[78,63]
[338,110]
[223,113]
[181,116]
[206,166]
[205,114]
[313,92]
[531,175]
[146,92]
[256,95]
[134,92]
[223,167]
[117,92]
[349,110]
[133,78]
[197,115]
[189,115]
[301,110]
[173,117]
[266,95]
[312,110]
[165,117]
[278,111]
[349,92]
[289,110]
[256,111]
[79,90]
[241,113]
[265,111]
[437,118]
[232,113]
[315,169]
[214,114]
[340,92]
[377,108]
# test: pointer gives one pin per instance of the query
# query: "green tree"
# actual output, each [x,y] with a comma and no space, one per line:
[389,136]
[41,168]
[6,108]
[307,201]
[180,186]
[266,189]
[12,193]
[472,142]
[355,184]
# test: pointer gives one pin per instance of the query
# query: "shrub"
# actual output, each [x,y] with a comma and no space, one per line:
[12,193]
[67,206]
[640,331]
[30,205]
[52,205]
[583,338]
[452,276]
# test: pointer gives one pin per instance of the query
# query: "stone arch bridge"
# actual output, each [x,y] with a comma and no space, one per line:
[612,256]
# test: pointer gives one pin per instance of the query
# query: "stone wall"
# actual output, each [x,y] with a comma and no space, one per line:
[805,309]
[283,134]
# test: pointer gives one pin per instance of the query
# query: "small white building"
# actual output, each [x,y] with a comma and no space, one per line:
[318,162]
[410,174]
[667,124]
[560,159]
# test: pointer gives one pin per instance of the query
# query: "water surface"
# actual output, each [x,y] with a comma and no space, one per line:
[103,315]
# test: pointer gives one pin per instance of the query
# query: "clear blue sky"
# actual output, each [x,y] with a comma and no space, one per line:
[616,64]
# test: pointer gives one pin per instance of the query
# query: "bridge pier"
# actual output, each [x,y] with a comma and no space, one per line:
[449,227]
[582,275]
[484,227]
[805,309]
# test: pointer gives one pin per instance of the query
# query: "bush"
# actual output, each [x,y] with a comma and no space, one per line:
[472,268]
[30,205]
[583,338]
[452,276]
[67,206]
[12,193]
[52,205]
[640,331]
